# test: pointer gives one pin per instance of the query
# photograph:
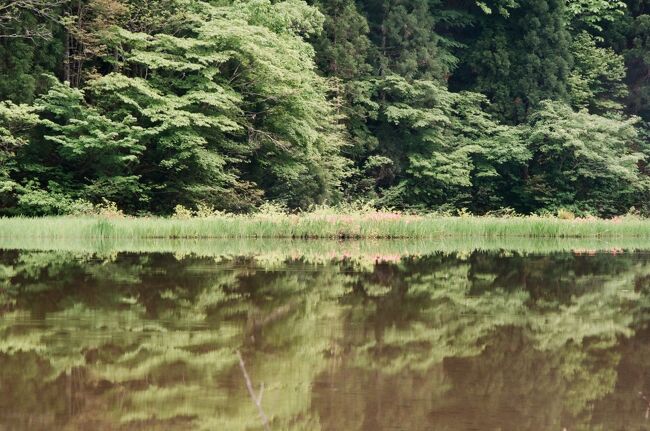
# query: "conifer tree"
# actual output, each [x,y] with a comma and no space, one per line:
[405,36]
[520,59]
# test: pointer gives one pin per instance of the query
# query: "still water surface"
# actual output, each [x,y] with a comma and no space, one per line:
[453,340]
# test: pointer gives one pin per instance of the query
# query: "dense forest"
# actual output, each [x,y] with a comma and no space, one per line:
[518,105]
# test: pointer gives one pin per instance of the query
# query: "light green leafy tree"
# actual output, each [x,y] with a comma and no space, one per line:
[596,81]
[441,145]
[583,160]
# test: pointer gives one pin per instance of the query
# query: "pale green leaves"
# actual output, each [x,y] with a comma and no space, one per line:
[585,158]
[597,79]
[594,13]
[14,120]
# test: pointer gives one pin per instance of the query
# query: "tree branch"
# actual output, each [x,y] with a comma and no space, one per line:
[257,399]
[10,13]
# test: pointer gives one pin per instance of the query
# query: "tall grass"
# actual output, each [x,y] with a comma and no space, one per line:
[324,250]
[323,225]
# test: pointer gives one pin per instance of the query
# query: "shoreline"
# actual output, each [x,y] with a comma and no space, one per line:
[322,226]
[326,250]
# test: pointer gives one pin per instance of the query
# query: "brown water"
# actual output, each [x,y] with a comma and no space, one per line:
[496,340]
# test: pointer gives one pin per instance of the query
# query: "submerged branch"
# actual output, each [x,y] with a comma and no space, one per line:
[257,398]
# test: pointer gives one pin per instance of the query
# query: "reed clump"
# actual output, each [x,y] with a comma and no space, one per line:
[322,223]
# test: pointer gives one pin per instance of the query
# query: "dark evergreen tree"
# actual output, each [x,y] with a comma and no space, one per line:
[520,59]
[343,47]
[404,33]
[24,57]
[637,56]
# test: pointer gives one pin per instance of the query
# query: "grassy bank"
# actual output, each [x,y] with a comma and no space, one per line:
[324,250]
[327,226]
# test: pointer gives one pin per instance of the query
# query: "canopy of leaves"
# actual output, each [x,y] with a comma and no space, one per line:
[410,103]
[583,159]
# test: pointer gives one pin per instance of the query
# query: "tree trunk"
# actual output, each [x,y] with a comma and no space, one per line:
[66,59]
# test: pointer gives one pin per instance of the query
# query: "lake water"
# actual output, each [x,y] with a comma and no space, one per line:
[331,336]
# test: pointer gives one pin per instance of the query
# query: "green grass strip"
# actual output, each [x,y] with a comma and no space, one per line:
[324,226]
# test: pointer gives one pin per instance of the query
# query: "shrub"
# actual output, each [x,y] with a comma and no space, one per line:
[564,214]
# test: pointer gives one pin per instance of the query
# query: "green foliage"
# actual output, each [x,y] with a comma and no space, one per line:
[405,40]
[428,105]
[582,159]
[593,14]
[241,91]
[637,57]
[102,154]
[27,50]
[15,121]
[597,79]
[502,7]
[186,112]
[343,47]
[520,60]
[442,143]
[36,201]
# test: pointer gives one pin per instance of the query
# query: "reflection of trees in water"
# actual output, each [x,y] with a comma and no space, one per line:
[151,340]
[624,408]
[556,277]
[456,341]
[442,306]
[510,385]
[513,385]
[513,355]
